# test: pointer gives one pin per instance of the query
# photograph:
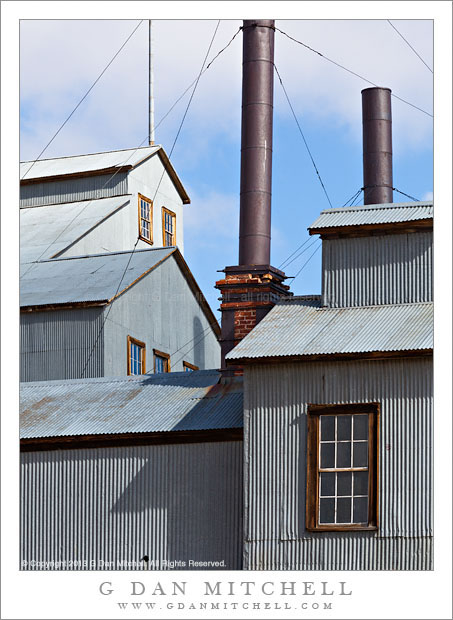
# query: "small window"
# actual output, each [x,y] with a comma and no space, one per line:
[161,362]
[189,367]
[136,357]
[145,219]
[168,227]
[342,467]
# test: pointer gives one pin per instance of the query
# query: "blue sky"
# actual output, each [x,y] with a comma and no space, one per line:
[61,59]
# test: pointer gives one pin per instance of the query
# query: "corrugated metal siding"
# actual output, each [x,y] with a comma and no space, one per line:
[57,345]
[157,403]
[73,190]
[86,278]
[173,502]
[387,269]
[341,552]
[276,399]
[374,214]
[297,328]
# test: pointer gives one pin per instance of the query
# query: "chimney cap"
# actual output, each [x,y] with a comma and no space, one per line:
[376,88]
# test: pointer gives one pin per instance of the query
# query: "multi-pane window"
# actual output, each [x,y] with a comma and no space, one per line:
[342,467]
[145,214]
[161,362]
[189,367]
[136,357]
[168,227]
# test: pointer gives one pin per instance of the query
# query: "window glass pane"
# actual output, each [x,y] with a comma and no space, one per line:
[360,510]
[344,510]
[344,427]
[344,483]
[360,454]
[360,427]
[327,427]
[344,454]
[327,483]
[327,510]
[360,483]
[327,455]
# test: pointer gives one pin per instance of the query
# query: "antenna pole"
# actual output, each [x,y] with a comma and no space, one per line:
[151,91]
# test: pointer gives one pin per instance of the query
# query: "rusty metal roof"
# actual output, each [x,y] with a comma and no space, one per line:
[298,327]
[92,162]
[180,401]
[374,214]
[47,230]
[92,278]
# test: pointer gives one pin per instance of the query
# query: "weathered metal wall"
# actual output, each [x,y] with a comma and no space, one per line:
[104,506]
[57,344]
[151,179]
[161,311]
[275,405]
[386,269]
[73,190]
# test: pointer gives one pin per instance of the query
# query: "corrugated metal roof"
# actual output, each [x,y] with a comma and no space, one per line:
[374,214]
[140,404]
[85,163]
[297,328]
[47,230]
[95,277]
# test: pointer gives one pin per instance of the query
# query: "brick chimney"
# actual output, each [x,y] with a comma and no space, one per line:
[252,288]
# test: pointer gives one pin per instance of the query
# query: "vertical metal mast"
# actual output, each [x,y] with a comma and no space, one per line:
[151,90]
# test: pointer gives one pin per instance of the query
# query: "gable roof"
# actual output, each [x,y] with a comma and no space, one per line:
[97,279]
[391,213]
[97,163]
[50,229]
[301,328]
[164,402]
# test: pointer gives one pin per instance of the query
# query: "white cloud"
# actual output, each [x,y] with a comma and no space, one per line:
[428,196]
[61,59]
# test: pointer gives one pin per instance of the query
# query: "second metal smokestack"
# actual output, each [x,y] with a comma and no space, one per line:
[256,142]
[377,145]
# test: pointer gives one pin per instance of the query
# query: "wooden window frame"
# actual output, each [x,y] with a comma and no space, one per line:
[166,356]
[142,346]
[164,211]
[313,438]
[189,365]
[143,238]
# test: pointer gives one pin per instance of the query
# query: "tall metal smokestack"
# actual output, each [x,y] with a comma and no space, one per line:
[377,145]
[252,288]
[256,142]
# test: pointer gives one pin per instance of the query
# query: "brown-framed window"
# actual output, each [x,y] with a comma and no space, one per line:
[342,467]
[189,367]
[161,361]
[136,357]
[168,227]
[145,219]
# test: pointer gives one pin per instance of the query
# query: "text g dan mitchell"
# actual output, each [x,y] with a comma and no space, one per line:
[228,588]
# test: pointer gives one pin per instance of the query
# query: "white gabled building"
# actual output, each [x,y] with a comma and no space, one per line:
[102,202]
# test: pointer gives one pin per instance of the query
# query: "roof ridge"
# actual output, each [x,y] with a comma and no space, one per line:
[89,154]
[384,205]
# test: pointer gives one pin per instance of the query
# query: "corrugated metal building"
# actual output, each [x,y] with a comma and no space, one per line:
[78,315]
[132,473]
[92,203]
[337,440]
[323,492]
